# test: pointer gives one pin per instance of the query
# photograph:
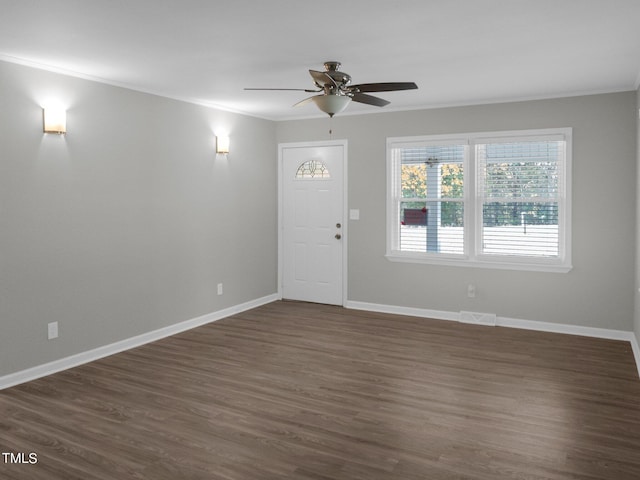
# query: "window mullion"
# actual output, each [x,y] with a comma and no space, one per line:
[470,179]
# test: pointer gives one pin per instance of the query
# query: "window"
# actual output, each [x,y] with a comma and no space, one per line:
[313,169]
[477,200]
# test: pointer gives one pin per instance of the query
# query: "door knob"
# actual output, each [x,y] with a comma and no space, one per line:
[338,236]
[338,225]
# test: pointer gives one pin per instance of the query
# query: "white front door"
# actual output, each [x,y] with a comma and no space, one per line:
[313,231]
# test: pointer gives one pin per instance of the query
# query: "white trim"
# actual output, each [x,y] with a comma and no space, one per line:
[345,220]
[478,318]
[344,143]
[436,140]
[281,117]
[480,262]
[97,353]
[636,350]
[539,326]
[128,86]
[66,363]
[473,201]
[410,311]
[594,332]
[471,103]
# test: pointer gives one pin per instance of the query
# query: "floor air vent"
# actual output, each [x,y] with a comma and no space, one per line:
[476,318]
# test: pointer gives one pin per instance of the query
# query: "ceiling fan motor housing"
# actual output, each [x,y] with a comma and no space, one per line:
[341,79]
[335,97]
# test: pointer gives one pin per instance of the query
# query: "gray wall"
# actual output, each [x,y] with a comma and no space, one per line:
[596,293]
[126,224]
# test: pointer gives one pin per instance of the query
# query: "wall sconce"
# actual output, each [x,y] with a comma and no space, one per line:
[55,120]
[222,144]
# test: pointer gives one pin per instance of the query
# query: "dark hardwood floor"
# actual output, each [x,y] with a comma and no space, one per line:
[301,391]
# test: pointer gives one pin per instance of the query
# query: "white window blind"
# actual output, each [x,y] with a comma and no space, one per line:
[518,189]
[499,200]
[431,207]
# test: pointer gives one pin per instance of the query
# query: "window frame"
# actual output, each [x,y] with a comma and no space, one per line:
[472,202]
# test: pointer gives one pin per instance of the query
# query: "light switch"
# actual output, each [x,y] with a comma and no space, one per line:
[354,214]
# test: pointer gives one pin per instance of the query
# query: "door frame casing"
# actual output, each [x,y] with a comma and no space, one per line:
[345,217]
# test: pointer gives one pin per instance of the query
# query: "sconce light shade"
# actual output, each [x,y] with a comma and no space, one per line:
[222,144]
[55,120]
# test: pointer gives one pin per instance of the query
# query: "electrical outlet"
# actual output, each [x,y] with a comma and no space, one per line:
[471,290]
[52,330]
[219,289]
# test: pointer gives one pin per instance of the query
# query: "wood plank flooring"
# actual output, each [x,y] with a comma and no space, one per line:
[301,391]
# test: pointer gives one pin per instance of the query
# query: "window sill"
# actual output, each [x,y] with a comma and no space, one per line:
[463,261]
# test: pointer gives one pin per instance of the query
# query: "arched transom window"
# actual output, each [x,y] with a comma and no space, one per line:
[313,169]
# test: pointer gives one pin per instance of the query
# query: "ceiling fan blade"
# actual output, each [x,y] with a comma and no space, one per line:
[322,78]
[369,99]
[383,87]
[304,102]
[291,89]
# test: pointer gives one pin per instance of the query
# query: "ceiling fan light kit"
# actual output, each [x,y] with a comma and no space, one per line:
[337,91]
[331,104]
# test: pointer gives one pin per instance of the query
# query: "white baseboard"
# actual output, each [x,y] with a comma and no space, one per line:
[508,322]
[409,311]
[636,350]
[565,328]
[127,344]
[477,318]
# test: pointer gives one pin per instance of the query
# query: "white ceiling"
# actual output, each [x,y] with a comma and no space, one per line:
[459,52]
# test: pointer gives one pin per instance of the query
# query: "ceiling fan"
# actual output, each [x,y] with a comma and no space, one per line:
[337,91]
